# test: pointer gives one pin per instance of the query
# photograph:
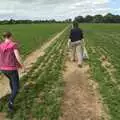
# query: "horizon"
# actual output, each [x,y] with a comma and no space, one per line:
[56,19]
[56,9]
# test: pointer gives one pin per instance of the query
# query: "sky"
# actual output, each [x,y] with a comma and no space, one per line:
[55,9]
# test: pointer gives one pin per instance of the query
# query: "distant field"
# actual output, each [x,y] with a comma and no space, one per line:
[104,50]
[31,36]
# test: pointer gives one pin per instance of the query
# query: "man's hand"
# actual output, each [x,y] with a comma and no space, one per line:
[69,43]
[83,42]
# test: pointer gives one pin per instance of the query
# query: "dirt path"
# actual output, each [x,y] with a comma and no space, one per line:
[30,60]
[81,98]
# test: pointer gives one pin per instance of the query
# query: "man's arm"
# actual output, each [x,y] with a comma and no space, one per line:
[82,35]
[70,36]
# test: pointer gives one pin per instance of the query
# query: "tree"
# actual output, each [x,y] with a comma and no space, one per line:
[109,18]
[117,19]
[98,19]
[79,19]
[11,21]
[68,20]
[88,19]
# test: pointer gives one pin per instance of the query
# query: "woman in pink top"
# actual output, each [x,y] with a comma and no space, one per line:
[10,62]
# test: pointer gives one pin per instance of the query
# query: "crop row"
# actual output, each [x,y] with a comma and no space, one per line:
[106,44]
[42,87]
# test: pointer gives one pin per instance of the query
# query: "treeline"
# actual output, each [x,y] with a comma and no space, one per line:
[109,18]
[12,21]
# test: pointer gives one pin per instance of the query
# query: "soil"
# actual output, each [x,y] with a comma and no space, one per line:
[82,100]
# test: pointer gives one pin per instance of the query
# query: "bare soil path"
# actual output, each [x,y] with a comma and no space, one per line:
[29,61]
[81,97]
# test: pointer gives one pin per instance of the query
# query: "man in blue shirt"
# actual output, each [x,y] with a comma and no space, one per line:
[76,40]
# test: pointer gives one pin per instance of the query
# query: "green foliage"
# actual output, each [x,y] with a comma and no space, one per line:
[12,21]
[32,36]
[103,40]
[108,18]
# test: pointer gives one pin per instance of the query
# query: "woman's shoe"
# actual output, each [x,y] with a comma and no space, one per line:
[10,107]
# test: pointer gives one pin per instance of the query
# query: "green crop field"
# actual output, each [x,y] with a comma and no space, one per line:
[103,44]
[42,88]
[32,36]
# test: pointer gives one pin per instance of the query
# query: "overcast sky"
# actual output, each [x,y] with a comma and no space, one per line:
[58,9]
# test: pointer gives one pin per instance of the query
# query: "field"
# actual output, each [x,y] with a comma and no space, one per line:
[42,88]
[32,36]
[104,47]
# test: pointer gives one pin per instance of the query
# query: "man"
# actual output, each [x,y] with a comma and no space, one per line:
[76,39]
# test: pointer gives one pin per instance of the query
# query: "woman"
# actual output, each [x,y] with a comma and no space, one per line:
[10,61]
[76,37]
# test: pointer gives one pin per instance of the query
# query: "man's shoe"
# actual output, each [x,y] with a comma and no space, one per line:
[73,60]
[80,65]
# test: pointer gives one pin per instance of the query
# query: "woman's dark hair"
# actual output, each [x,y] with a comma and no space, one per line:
[7,35]
[75,24]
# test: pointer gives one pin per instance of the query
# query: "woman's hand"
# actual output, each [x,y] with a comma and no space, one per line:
[23,68]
